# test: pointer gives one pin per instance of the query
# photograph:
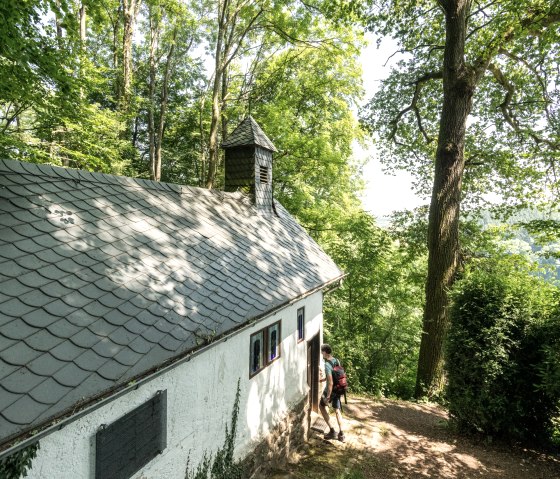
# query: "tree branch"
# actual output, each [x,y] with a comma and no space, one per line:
[508,114]
[419,83]
[534,24]
[546,96]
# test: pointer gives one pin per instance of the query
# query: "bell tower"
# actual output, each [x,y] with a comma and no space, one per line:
[248,163]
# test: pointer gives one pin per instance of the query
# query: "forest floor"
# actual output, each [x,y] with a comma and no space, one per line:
[388,439]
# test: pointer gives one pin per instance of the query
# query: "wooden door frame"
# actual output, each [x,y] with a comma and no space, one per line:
[313,363]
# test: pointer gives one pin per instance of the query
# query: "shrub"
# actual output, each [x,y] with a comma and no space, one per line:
[495,353]
[17,464]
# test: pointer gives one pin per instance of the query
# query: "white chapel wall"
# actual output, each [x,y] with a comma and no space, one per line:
[200,398]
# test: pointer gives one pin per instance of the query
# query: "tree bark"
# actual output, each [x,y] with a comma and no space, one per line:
[83,25]
[459,82]
[155,172]
[230,38]
[130,11]
[216,90]
[223,100]
[82,18]
[163,104]
[118,74]
[58,25]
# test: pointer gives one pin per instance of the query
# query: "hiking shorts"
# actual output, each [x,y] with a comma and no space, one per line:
[335,401]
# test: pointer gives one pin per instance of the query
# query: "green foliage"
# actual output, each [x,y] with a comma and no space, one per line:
[512,138]
[549,371]
[32,59]
[222,465]
[17,464]
[497,351]
[373,320]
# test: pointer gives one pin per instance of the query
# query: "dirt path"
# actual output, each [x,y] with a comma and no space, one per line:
[401,440]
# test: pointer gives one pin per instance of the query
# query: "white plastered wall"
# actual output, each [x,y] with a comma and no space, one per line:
[200,398]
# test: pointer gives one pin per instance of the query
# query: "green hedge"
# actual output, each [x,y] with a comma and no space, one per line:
[499,348]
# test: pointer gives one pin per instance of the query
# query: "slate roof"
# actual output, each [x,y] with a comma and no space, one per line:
[104,278]
[248,132]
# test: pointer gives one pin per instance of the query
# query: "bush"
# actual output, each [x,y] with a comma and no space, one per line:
[496,352]
[17,464]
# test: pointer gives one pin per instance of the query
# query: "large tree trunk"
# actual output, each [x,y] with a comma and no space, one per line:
[459,82]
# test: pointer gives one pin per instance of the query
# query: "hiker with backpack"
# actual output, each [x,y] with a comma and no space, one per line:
[334,389]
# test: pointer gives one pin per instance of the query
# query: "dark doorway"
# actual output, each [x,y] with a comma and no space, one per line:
[313,353]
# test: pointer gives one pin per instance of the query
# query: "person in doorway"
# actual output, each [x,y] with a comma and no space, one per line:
[330,396]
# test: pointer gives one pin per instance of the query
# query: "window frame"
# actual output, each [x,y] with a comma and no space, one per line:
[266,336]
[263,350]
[270,360]
[302,337]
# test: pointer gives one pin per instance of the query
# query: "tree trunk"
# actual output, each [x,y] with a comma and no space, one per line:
[130,8]
[216,91]
[83,25]
[459,82]
[82,19]
[58,25]
[116,68]
[231,35]
[163,103]
[201,167]
[155,171]
[223,100]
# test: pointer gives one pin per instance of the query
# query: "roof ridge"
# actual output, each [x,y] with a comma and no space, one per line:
[78,175]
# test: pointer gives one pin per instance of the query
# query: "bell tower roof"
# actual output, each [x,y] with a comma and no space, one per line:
[248,132]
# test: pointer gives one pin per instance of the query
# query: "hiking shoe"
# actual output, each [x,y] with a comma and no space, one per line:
[331,434]
[341,436]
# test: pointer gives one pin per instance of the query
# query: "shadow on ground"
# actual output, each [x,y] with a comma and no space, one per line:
[401,440]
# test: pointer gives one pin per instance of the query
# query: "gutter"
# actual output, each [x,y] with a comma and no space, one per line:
[72,414]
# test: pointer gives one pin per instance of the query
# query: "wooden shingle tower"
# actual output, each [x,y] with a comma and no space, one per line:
[248,163]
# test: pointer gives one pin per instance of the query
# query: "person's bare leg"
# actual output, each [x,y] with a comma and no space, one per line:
[325,415]
[338,419]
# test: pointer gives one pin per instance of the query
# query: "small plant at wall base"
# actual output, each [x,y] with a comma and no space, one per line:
[222,465]
[17,464]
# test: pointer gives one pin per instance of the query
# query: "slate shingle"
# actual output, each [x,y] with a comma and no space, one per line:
[71,375]
[46,365]
[7,398]
[106,348]
[49,392]
[66,351]
[42,340]
[21,381]
[24,411]
[18,329]
[248,132]
[107,278]
[14,307]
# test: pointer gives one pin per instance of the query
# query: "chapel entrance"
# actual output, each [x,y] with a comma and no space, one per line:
[313,360]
